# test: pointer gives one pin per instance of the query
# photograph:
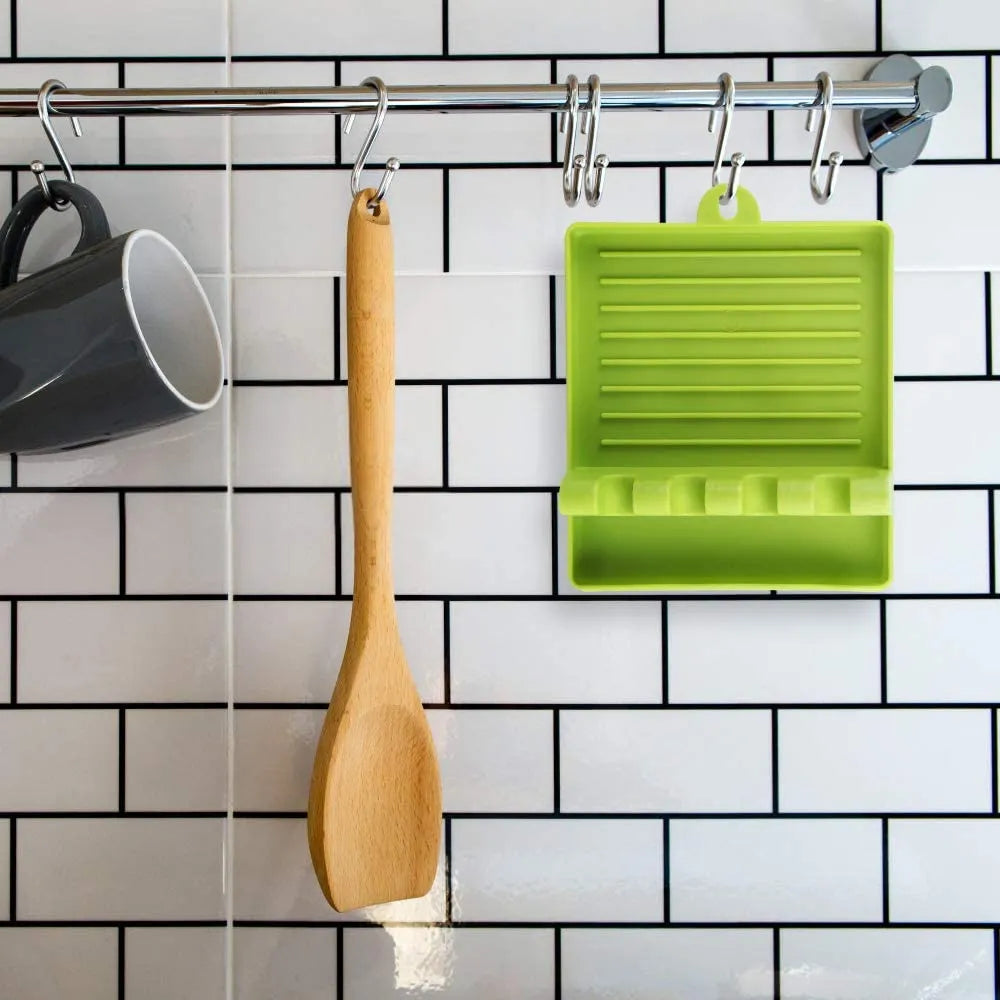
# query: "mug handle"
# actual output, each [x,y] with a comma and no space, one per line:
[17,226]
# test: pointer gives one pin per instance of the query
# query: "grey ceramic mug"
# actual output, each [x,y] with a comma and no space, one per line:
[114,339]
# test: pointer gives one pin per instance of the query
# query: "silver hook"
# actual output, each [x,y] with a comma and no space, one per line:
[37,167]
[596,164]
[726,108]
[392,164]
[820,192]
[568,123]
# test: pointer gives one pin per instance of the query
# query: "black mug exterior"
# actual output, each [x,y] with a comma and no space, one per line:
[115,339]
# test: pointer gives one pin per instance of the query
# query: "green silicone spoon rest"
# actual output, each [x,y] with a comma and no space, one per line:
[729,393]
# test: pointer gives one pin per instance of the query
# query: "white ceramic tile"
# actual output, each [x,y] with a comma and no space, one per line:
[291,650]
[665,761]
[525,427]
[762,651]
[284,138]
[458,138]
[5,38]
[302,27]
[608,963]
[886,963]
[137,869]
[960,25]
[175,963]
[884,760]
[494,761]
[766,26]
[556,651]
[942,650]
[284,328]
[88,651]
[24,139]
[944,870]
[465,543]
[515,220]
[187,453]
[454,326]
[185,206]
[4,653]
[297,436]
[57,543]
[939,323]
[959,133]
[274,751]
[274,880]
[174,138]
[270,961]
[678,135]
[175,543]
[72,963]
[175,760]
[940,542]
[166,28]
[940,432]
[451,963]
[941,219]
[561,870]
[287,221]
[283,543]
[782,193]
[522,26]
[52,761]
[779,870]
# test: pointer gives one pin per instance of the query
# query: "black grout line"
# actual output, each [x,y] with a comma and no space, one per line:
[446,220]
[13,470]
[557,963]
[885,870]
[666,871]
[444,437]
[121,118]
[554,119]
[878,25]
[556,766]
[988,134]
[883,658]
[664,652]
[338,138]
[944,378]
[555,544]
[13,29]
[337,363]
[774,761]
[553,335]
[776,961]
[991,533]
[988,303]
[12,882]
[121,962]
[663,194]
[444,27]
[994,772]
[121,543]
[340,964]
[880,195]
[996,963]
[446,650]
[13,652]
[661,27]
[121,759]
[338,545]
[770,114]
[447,871]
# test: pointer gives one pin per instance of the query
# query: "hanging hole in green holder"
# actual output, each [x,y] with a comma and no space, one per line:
[710,210]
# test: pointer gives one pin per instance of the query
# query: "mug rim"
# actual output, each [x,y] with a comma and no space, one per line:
[130,240]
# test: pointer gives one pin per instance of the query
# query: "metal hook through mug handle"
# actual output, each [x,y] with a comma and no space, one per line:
[725,108]
[822,192]
[572,178]
[37,167]
[392,164]
[596,164]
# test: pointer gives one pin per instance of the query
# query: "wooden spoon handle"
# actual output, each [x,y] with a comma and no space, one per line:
[370,393]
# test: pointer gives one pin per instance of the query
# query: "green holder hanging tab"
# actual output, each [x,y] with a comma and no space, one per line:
[729,394]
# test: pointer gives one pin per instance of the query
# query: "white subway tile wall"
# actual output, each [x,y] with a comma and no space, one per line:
[690,795]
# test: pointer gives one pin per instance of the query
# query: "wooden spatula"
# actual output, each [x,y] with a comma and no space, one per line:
[375,798]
